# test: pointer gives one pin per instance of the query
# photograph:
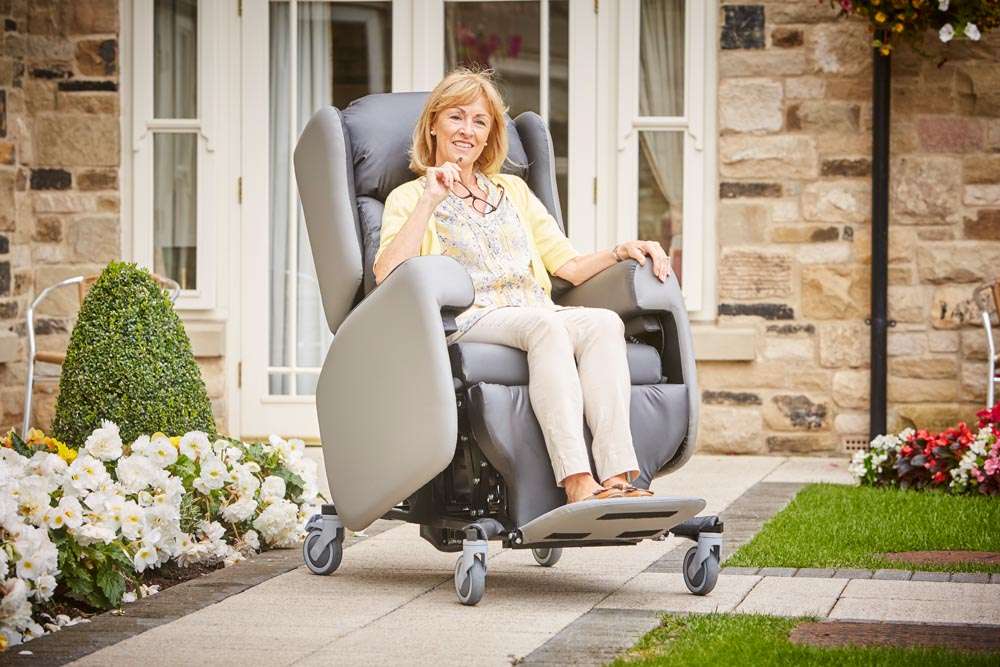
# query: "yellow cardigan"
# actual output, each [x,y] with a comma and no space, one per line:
[550,248]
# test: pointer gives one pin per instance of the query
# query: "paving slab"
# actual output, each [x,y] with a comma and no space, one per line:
[667,592]
[970,577]
[808,469]
[850,573]
[921,590]
[892,575]
[596,638]
[955,610]
[816,572]
[792,596]
[931,576]
[777,571]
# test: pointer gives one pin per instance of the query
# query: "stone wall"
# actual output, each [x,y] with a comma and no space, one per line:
[60,159]
[794,219]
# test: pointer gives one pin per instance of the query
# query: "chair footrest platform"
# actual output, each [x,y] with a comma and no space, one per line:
[615,519]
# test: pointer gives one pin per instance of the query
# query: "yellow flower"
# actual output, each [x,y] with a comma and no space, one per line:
[3,642]
[35,436]
[898,27]
[175,441]
[880,17]
[885,49]
[67,454]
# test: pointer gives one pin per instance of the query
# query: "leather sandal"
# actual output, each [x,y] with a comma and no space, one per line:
[629,491]
[603,493]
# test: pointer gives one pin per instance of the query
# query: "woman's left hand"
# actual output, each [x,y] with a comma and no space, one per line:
[638,250]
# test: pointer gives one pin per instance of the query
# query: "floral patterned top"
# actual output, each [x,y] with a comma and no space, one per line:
[494,249]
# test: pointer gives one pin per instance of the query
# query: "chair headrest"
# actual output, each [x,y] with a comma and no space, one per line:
[381,128]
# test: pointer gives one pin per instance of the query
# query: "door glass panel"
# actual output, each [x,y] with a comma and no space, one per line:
[175,206]
[342,52]
[505,36]
[661,58]
[175,59]
[661,192]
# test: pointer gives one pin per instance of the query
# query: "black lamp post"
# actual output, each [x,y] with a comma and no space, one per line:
[879,322]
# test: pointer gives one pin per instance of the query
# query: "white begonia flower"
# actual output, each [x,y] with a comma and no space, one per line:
[45,586]
[246,482]
[49,466]
[145,556]
[946,32]
[233,454]
[71,511]
[943,5]
[92,533]
[141,445]
[972,32]
[135,472]
[4,559]
[297,448]
[28,567]
[239,511]
[252,540]
[194,445]
[278,524]
[129,597]
[86,473]
[162,452]
[212,530]
[132,520]
[213,472]
[104,443]
[219,447]
[33,498]
[273,489]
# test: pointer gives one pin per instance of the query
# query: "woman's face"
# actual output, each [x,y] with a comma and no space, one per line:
[462,132]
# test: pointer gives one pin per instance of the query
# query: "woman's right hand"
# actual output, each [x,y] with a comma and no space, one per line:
[439,181]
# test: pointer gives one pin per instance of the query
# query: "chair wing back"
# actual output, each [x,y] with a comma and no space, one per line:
[346,164]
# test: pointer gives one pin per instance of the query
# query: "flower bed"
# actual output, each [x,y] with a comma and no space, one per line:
[86,526]
[958,459]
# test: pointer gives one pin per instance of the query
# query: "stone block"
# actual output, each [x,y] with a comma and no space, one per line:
[752,156]
[785,210]
[943,341]
[850,389]
[922,391]
[8,153]
[796,412]
[747,273]
[930,576]
[39,95]
[837,201]
[892,575]
[801,443]
[851,423]
[805,88]
[65,300]
[78,140]
[981,169]
[835,291]
[213,371]
[786,38]
[823,253]
[824,116]
[901,343]
[850,167]
[51,179]
[975,380]
[985,227]
[950,134]
[62,202]
[926,187]
[762,63]
[8,208]
[802,233]
[731,375]
[750,105]
[957,261]
[731,430]
[840,47]
[953,307]
[908,303]
[931,416]
[929,367]
[974,344]
[742,223]
[807,379]
[742,189]
[981,195]
[742,27]
[982,81]
[97,179]
[93,17]
[95,240]
[709,397]
[798,349]
[97,57]
[767,311]
[87,103]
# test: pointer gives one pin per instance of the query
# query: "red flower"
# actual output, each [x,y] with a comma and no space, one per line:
[939,477]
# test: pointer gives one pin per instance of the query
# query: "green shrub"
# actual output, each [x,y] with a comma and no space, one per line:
[129,360]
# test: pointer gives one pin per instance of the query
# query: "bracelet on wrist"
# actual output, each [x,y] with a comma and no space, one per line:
[614,251]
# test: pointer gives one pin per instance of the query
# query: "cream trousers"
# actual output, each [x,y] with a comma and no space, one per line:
[562,393]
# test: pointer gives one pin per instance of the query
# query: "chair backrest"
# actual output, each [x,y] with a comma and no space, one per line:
[348,161]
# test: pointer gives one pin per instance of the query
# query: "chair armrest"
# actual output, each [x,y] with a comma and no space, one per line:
[632,290]
[386,400]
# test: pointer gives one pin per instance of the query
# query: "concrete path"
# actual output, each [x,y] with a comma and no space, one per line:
[393,599]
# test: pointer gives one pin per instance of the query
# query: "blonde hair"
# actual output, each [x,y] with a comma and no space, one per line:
[461,86]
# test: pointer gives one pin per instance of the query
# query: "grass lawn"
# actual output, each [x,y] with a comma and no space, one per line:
[829,525]
[715,639]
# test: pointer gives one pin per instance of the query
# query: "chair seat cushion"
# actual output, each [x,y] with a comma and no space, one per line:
[472,363]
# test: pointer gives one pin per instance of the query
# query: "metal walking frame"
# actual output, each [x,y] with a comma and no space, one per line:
[987,297]
[56,358]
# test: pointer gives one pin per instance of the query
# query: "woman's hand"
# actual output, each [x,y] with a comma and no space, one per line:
[439,181]
[638,250]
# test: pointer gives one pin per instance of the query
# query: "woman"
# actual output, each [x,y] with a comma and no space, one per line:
[502,234]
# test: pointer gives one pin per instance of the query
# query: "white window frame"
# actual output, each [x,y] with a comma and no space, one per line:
[620,30]
[205,127]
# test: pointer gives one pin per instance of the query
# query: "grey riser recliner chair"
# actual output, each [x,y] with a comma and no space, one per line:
[444,436]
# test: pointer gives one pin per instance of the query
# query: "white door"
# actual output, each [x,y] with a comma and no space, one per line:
[340,51]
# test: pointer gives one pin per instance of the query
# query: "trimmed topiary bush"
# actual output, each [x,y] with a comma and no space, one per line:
[129,360]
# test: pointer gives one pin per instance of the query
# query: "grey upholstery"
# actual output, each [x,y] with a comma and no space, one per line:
[500,364]
[387,395]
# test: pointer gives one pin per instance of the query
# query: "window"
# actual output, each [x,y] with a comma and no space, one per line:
[173,144]
[666,170]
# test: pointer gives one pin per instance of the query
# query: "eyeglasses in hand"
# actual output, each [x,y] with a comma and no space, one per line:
[458,187]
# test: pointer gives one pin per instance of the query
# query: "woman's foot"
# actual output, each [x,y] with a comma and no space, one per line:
[621,483]
[583,486]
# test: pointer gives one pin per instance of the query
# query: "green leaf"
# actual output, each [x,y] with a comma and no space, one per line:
[20,446]
[112,584]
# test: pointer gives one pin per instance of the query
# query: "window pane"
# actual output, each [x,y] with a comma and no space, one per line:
[661,192]
[505,37]
[175,59]
[175,207]
[343,52]
[661,58]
